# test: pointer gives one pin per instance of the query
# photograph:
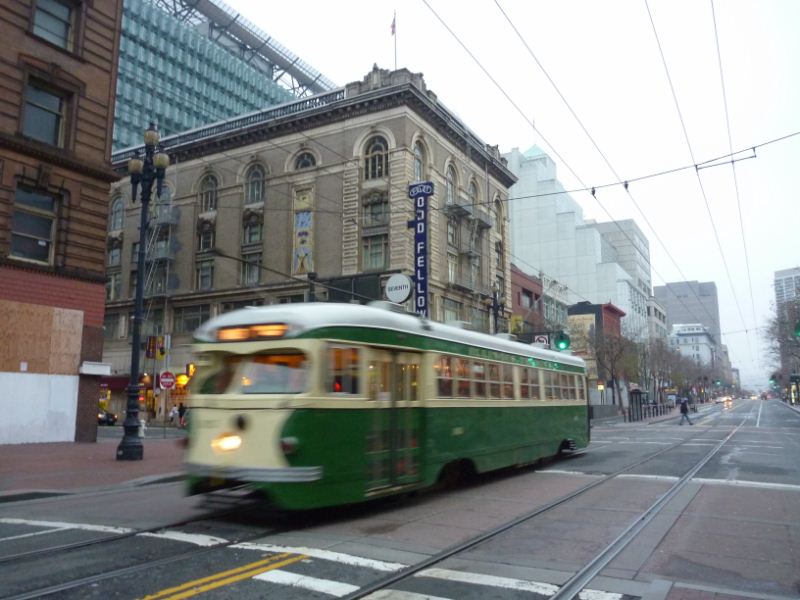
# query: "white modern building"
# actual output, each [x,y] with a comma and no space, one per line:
[694,341]
[787,285]
[656,320]
[548,233]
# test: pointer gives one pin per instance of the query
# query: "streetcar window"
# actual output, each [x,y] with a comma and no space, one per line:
[568,386]
[524,387]
[494,380]
[533,380]
[343,370]
[508,382]
[552,391]
[479,376]
[272,374]
[219,376]
[444,376]
[462,372]
[379,379]
[581,388]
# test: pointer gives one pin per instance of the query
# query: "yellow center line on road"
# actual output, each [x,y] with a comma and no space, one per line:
[205,584]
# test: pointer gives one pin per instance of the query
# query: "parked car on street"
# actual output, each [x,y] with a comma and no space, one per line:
[105,417]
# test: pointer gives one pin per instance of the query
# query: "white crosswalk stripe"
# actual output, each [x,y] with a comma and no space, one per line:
[338,557]
[314,584]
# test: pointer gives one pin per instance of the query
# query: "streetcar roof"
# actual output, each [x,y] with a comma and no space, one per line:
[304,317]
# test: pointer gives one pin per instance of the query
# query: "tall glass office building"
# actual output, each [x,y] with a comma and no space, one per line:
[186,72]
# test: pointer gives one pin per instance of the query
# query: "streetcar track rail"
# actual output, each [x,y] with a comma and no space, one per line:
[116,537]
[379,584]
[582,577]
[575,583]
[91,579]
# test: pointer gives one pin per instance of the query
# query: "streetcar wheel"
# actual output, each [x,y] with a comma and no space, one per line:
[456,473]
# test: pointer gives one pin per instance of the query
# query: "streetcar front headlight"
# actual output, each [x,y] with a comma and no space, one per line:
[226,442]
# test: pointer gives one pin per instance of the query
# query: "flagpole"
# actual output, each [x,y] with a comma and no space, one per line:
[394,35]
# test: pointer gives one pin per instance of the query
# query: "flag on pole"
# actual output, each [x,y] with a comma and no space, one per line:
[394,30]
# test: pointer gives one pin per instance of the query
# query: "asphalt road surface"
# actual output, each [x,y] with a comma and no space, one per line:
[731,531]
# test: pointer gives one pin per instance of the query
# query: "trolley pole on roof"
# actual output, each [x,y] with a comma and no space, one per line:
[145,173]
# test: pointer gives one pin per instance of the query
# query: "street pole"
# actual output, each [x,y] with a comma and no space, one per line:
[496,308]
[145,172]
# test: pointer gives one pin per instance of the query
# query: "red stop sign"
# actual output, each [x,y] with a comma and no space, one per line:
[167,380]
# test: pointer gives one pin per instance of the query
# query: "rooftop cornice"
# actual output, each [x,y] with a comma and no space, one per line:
[317,111]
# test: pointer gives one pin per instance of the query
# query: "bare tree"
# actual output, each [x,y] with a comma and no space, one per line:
[614,354]
[783,345]
[656,366]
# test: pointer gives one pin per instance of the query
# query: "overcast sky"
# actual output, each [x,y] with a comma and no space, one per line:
[605,60]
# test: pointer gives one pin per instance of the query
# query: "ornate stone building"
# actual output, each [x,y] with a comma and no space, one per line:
[306,201]
[59,69]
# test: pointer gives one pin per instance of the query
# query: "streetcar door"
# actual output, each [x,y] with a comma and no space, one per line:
[393,439]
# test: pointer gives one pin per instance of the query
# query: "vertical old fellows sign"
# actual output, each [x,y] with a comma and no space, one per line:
[420,192]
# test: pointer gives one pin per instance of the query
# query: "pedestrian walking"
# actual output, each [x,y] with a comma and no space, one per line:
[685,411]
[182,415]
[173,414]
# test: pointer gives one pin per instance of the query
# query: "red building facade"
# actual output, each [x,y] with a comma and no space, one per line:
[59,77]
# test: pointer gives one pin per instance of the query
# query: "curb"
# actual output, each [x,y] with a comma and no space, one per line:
[45,493]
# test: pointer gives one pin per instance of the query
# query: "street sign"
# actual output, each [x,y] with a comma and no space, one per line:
[167,380]
[541,339]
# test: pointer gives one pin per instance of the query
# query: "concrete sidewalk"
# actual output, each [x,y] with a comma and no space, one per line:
[74,466]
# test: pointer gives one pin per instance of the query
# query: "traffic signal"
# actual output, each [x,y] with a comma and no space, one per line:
[797,329]
[161,348]
[562,341]
[190,369]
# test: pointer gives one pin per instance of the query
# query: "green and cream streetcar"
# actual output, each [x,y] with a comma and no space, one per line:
[324,404]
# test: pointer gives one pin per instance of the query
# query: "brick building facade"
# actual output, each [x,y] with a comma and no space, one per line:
[59,71]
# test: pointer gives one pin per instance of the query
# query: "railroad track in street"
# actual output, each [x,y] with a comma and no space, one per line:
[576,583]
[569,589]
[116,534]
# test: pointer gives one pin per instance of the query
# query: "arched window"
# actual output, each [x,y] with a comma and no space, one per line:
[419,162]
[304,160]
[208,193]
[117,217]
[255,185]
[450,185]
[376,158]
[472,192]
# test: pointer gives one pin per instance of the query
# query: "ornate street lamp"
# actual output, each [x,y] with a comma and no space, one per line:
[144,173]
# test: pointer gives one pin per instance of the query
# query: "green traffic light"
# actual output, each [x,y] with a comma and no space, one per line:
[797,329]
[562,341]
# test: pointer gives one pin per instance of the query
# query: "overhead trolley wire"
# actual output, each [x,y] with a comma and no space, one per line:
[733,165]
[625,183]
[699,180]
[594,189]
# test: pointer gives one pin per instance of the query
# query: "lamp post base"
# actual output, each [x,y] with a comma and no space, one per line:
[130,448]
